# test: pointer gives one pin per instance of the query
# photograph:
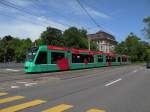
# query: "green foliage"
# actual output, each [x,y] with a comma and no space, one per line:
[39,41]
[76,38]
[13,49]
[21,52]
[133,47]
[51,36]
[72,38]
[93,46]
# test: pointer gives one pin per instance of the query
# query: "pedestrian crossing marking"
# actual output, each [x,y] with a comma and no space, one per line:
[2,94]
[59,108]
[22,106]
[10,99]
[95,110]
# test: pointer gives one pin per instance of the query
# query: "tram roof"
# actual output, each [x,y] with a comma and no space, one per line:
[76,51]
[56,48]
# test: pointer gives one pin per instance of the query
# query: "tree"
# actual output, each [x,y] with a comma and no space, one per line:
[147,27]
[52,36]
[20,52]
[93,46]
[7,52]
[121,48]
[133,47]
[13,49]
[39,41]
[76,38]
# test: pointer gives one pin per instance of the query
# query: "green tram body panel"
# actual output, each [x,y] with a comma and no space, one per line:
[116,63]
[103,63]
[80,65]
[32,66]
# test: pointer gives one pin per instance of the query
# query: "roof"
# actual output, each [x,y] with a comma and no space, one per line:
[101,35]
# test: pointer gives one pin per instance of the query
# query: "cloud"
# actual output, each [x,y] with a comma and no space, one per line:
[21,2]
[79,11]
[21,30]
[23,25]
[97,13]
[72,7]
[26,27]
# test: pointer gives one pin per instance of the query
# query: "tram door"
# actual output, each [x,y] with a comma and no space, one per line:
[108,60]
[60,59]
[119,60]
[41,61]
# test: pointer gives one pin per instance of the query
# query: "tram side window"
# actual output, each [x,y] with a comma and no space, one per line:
[41,58]
[100,58]
[119,59]
[108,58]
[90,59]
[113,59]
[80,58]
[124,59]
[55,56]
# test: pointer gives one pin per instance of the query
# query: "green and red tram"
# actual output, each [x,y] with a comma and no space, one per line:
[125,59]
[113,59]
[54,58]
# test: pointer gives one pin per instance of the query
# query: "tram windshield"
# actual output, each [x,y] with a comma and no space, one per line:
[31,53]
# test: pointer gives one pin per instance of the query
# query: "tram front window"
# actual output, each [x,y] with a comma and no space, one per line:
[31,53]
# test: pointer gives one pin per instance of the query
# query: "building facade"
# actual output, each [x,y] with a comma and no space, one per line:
[105,41]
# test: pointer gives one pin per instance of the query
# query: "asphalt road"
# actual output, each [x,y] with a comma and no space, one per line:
[112,89]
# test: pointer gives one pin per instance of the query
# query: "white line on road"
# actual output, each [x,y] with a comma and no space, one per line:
[14,70]
[113,82]
[30,84]
[135,71]
[14,87]
[22,82]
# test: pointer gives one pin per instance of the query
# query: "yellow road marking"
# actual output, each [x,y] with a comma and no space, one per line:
[22,106]
[95,110]
[10,99]
[59,108]
[1,94]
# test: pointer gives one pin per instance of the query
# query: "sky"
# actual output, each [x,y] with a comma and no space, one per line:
[31,17]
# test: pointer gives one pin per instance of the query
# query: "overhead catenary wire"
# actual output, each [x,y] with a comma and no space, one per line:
[21,9]
[23,19]
[92,19]
[88,14]
[36,4]
[25,10]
